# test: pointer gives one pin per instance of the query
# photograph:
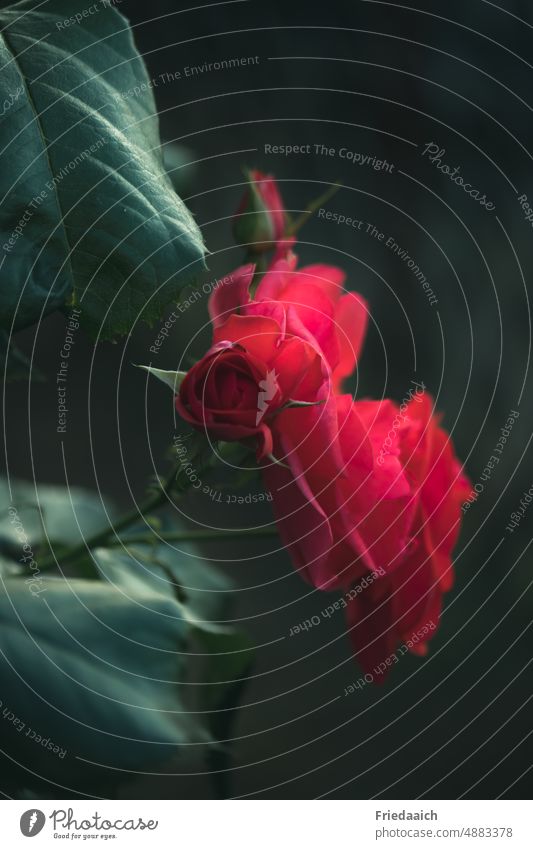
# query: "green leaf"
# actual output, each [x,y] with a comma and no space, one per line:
[89,217]
[221,658]
[229,657]
[164,568]
[95,672]
[206,597]
[226,667]
[64,516]
[170,378]
[145,650]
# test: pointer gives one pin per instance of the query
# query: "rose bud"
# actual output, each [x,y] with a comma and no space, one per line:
[229,393]
[260,220]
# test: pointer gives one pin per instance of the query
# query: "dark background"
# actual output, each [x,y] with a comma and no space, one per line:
[381,80]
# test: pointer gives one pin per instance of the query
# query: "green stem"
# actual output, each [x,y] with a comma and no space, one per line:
[110,538]
[75,553]
[312,208]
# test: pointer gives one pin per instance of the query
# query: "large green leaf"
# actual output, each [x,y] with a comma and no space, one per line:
[88,213]
[95,672]
[99,672]
[221,657]
[122,672]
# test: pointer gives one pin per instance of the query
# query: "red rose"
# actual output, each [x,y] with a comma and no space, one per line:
[339,512]
[404,608]
[251,370]
[371,504]
[308,303]
[220,395]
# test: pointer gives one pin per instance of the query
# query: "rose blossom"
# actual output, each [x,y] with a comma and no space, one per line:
[344,516]
[309,303]
[252,369]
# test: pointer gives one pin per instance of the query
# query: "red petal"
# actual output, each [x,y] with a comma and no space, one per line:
[371,629]
[328,278]
[229,294]
[303,525]
[351,319]
[257,334]
[299,369]
[275,279]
